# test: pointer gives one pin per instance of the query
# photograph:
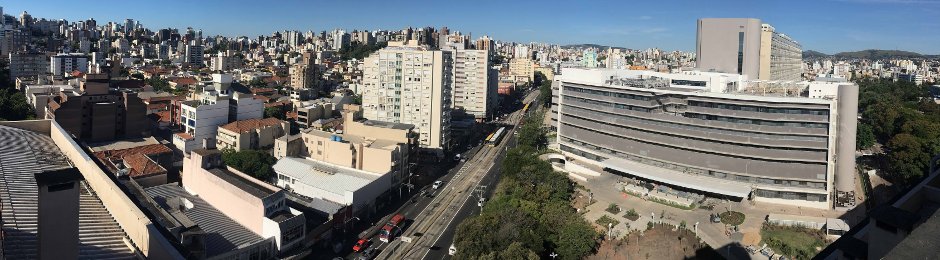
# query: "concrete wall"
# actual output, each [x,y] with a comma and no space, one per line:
[141,231]
[717,45]
[244,208]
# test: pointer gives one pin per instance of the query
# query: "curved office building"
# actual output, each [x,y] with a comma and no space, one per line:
[706,132]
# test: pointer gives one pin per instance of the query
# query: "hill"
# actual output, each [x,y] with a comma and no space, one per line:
[590,45]
[879,54]
[811,54]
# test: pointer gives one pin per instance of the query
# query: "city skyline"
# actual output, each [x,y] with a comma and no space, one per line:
[858,24]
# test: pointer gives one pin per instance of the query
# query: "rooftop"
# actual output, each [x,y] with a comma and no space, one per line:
[24,154]
[223,234]
[243,126]
[329,177]
[149,149]
[246,185]
[385,124]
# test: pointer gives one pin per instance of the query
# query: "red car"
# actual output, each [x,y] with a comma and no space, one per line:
[361,244]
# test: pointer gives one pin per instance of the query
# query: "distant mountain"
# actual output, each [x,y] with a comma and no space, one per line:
[878,54]
[590,45]
[811,54]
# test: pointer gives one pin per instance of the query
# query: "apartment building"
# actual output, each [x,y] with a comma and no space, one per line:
[523,68]
[303,76]
[781,58]
[97,113]
[217,105]
[475,83]
[411,84]
[250,134]
[374,151]
[25,64]
[38,96]
[710,133]
[63,64]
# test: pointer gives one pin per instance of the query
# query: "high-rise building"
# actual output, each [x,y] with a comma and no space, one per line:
[129,26]
[194,54]
[475,83]
[64,63]
[780,56]
[409,83]
[747,47]
[303,76]
[711,133]
[23,64]
[98,113]
[522,68]
[729,45]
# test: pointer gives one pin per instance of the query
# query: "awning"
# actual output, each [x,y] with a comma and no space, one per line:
[677,178]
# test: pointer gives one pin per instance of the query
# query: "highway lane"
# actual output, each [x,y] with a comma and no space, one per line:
[441,247]
[437,217]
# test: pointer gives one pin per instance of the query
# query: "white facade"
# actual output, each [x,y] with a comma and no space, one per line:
[411,85]
[62,64]
[201,118]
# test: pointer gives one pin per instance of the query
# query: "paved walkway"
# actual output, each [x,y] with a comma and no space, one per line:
[604,190]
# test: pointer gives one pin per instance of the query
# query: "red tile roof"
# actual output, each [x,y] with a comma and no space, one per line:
[150,149]
[140,165]
[251,124]
[184,81]
[185,135]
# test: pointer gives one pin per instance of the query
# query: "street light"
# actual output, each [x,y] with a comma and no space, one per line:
[553,255]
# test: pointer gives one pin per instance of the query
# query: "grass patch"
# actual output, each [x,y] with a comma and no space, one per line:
[607,220]
[632,215]
[794,242]
[733,218]
[613,208]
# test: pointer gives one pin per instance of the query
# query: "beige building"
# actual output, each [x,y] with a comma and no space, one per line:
[250,134]
[781,58]
[368,145]
[353,167]
[547,71]
[410,84]
[303,76]
[522,67]
[474,83]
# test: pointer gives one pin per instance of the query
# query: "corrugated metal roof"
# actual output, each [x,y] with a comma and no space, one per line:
[24,154]
[329,177]
[222,233]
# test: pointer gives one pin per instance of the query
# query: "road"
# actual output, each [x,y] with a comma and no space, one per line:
[443,213]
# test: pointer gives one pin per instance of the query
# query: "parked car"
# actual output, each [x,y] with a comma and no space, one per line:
[361,244]
[437,184]
[715,218]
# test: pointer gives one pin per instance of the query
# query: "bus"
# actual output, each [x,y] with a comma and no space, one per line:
[494,138]
[526,108]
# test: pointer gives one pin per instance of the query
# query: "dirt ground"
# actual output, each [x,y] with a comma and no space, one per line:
[581,200]
[660,242]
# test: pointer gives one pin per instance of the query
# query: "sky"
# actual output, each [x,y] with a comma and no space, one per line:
[828,26]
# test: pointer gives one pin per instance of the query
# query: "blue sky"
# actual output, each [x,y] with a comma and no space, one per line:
[824,25]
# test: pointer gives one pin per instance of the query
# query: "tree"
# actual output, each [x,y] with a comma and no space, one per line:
[907,158]
[865,137]
[252,162]
[13,104]
[275,112]
[517,251]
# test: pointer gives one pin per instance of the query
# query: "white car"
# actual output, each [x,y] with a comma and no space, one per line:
[437,184]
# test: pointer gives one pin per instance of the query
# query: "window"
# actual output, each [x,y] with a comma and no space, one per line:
[740,52]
